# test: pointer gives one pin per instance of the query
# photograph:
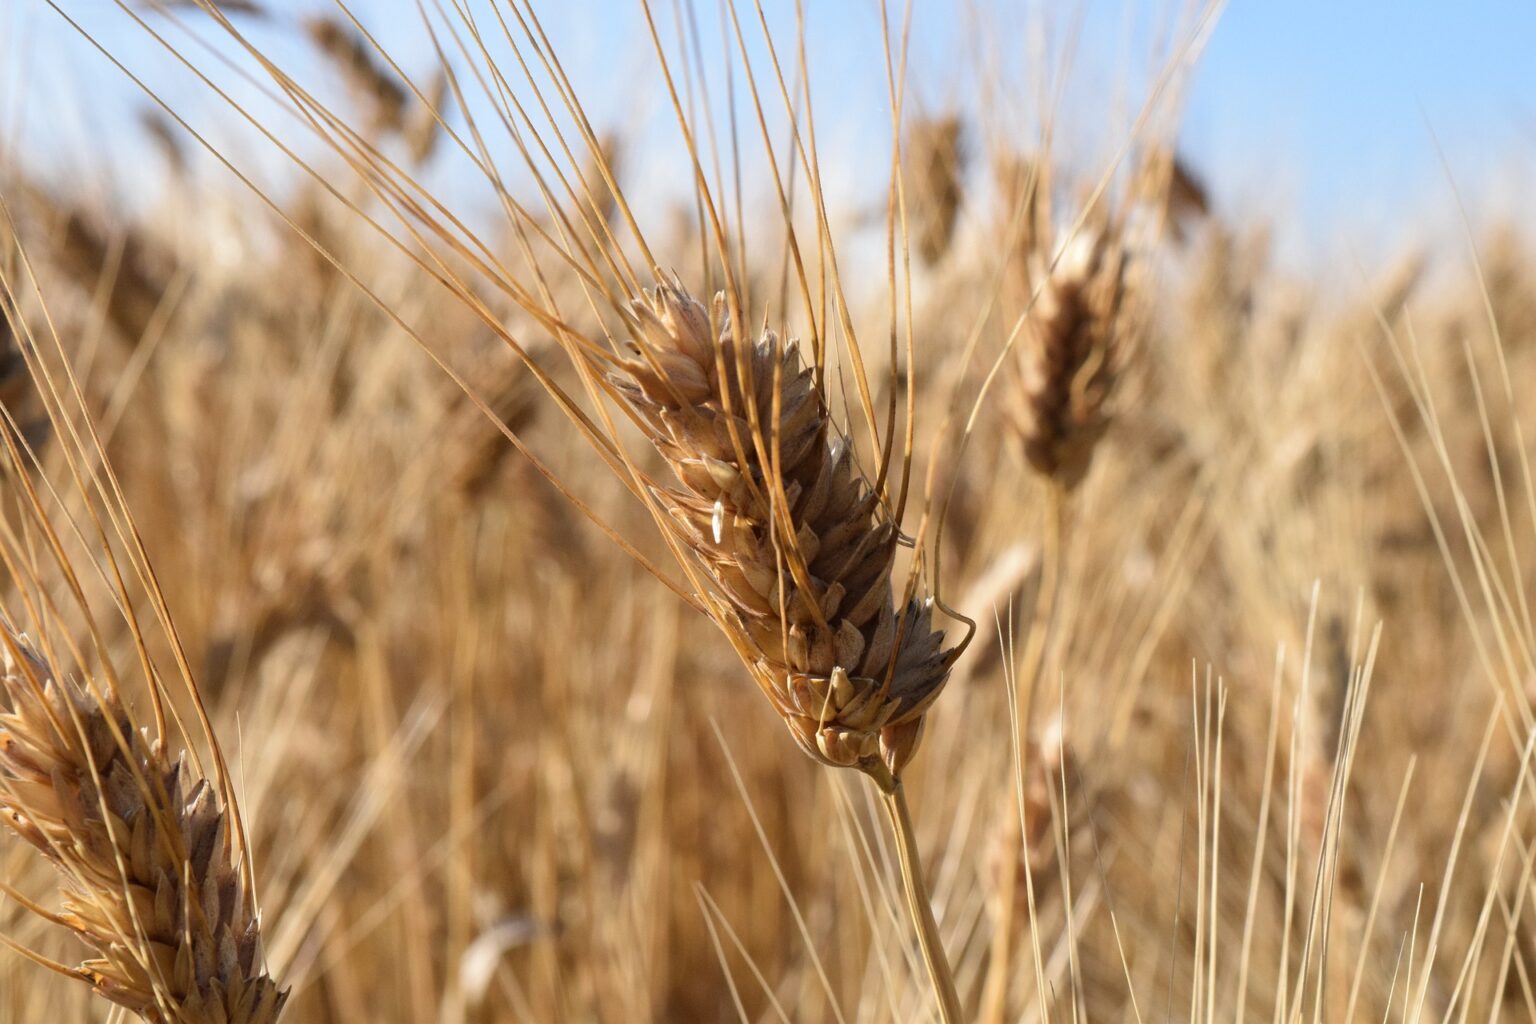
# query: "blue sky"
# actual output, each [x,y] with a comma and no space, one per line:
[1341,101]
[1318,113]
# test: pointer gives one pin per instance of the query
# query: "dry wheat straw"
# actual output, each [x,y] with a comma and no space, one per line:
[152,881]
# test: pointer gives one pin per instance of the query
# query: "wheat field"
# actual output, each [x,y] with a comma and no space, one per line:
[490,536]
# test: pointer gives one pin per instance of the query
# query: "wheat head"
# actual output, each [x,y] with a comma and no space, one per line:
[151,878]
[797,544]
[1070,359]
[936,159]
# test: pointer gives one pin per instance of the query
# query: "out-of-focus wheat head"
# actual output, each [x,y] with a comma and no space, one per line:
[151,877]
[354,60]
[936,155]
[1069,358]
[797,542]
[1024,842]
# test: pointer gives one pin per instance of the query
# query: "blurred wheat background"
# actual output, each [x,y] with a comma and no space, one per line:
[324,414]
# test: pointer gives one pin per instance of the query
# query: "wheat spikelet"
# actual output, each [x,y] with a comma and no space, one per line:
[152,880]
[1070,359]
[797,544]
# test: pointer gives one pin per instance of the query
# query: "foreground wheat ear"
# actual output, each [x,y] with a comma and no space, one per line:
[789,530]
[151,878]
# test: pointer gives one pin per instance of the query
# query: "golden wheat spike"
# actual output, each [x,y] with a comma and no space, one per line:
[936,163]
[152,882]
[764,482]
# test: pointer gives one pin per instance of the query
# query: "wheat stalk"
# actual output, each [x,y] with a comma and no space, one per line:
[1071,355]
[151,877]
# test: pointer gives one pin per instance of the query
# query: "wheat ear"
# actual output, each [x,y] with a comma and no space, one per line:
[797,544]
[151,878]
[1070,358]
[936,166]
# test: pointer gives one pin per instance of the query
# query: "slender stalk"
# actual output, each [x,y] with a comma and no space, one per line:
[995,992]
[918,903]
[1051,576]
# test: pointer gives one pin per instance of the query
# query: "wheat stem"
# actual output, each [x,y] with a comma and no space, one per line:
[995,991]
[918,903]
[1045,603]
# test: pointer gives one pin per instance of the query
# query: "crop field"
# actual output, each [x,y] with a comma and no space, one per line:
[742,510]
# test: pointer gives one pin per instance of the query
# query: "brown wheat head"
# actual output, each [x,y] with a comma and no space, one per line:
[936,165]
[152,881]
[353,56]
[1069,358]
[798,547]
